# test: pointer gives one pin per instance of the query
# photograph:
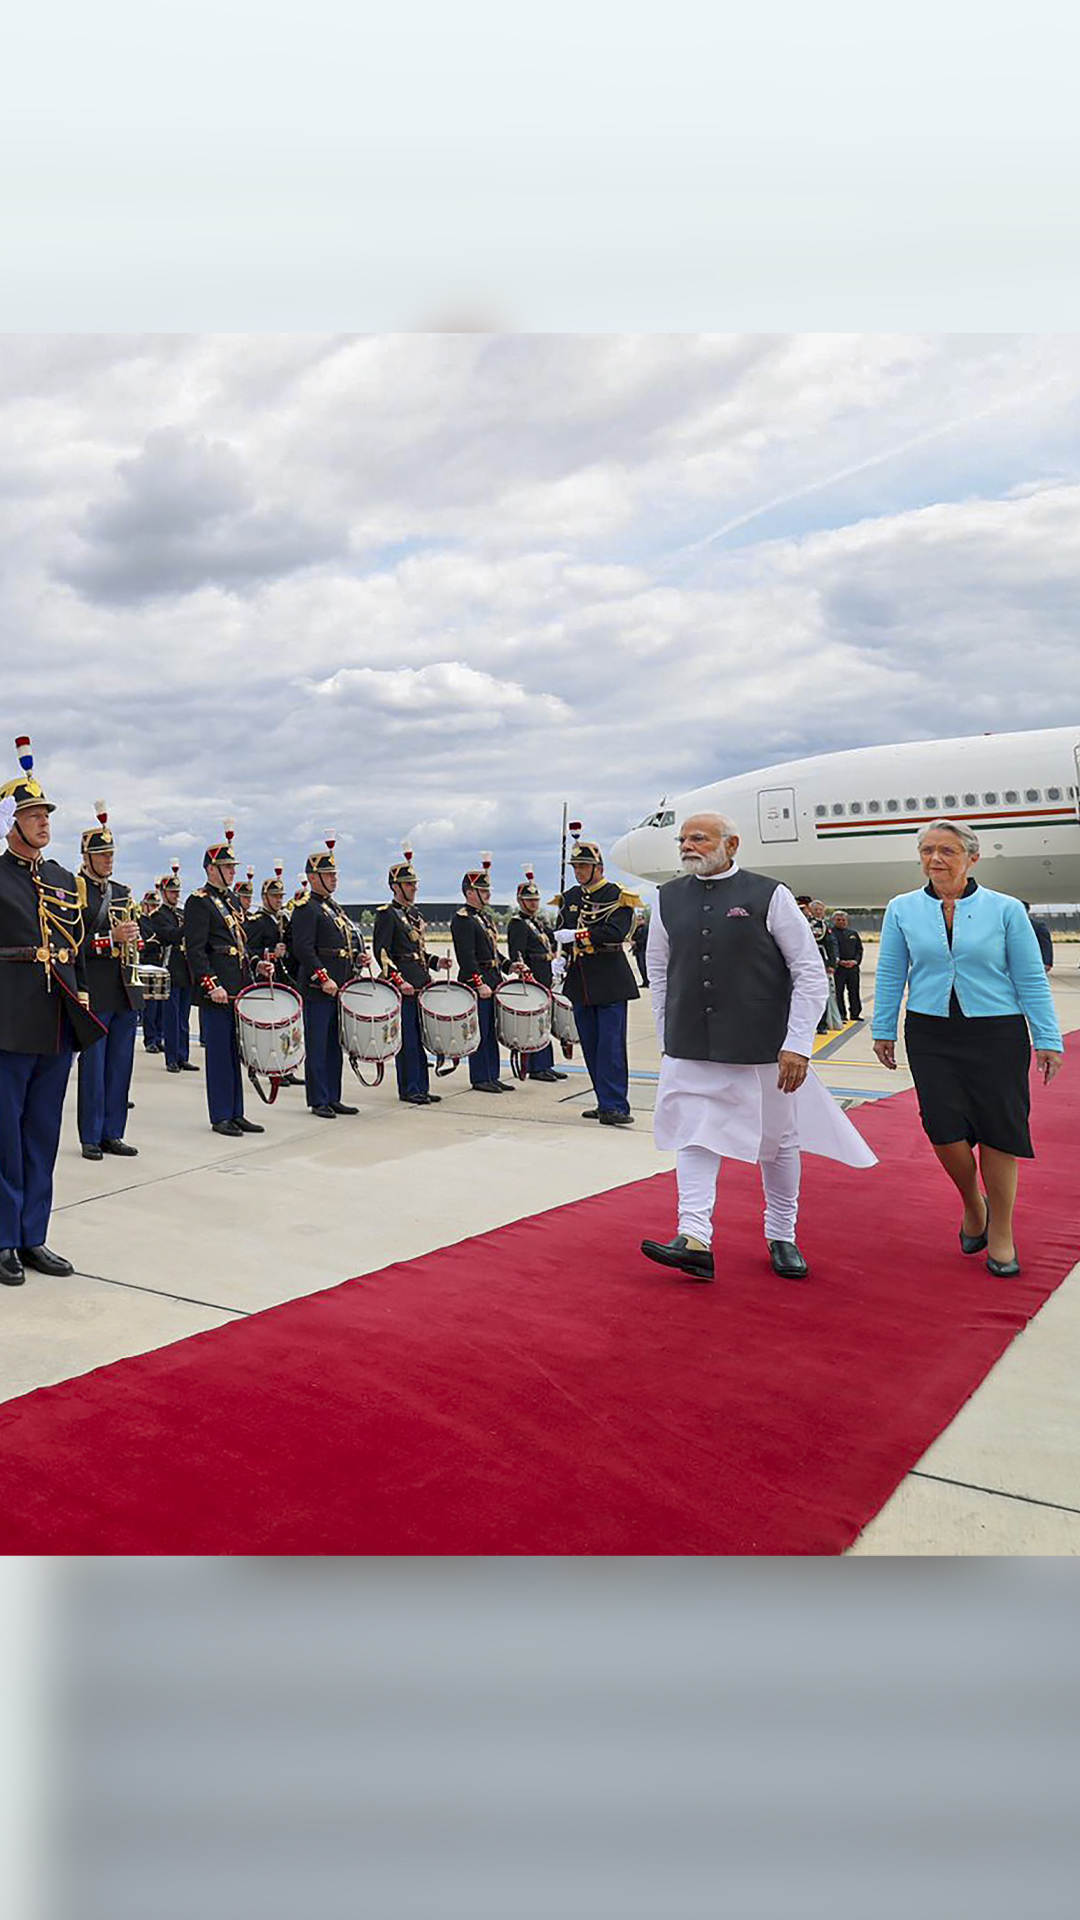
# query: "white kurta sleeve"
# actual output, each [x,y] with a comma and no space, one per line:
[657,948]
[809,982]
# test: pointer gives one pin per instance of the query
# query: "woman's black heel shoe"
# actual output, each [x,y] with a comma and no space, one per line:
[975,1242]
[1003,1269]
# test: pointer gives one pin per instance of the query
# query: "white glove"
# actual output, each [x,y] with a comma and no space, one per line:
[565,937]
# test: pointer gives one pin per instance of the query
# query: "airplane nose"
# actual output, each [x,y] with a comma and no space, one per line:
[622,852]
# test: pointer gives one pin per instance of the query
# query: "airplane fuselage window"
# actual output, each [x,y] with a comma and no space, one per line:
[948,800]
[1054,793]
[1011,796]
[989,799]
[930,804]
[971,799]
[856,806]
[838,806]
[873,806]
[1032,793]
[911,805]
[820,812]
[892,806]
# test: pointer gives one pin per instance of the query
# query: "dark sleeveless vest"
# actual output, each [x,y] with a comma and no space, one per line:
[728,985]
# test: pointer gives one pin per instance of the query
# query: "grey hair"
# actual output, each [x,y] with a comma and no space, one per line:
[968,840]
[727,827]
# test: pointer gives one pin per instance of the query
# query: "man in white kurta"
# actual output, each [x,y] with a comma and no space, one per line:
[766,1110]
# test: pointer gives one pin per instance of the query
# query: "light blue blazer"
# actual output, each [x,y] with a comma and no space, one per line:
[994,963]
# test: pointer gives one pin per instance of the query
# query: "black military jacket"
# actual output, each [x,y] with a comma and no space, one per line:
[324,944]
[598,973]
[265,931]
[531,940]
[39,1008]
[848,944]
[108,980]
[165,927]
[398,941]
[476,947]
[214,943]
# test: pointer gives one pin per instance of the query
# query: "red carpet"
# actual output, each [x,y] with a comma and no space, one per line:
[543,1389]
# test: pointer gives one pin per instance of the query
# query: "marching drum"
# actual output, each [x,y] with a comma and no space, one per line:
[449,1022]
[154,981]
[562,1024]
[369,1020]
[522,1020]
[270,1032]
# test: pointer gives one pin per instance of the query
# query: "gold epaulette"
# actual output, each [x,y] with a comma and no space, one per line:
[80,889]
[630,899]
[556,900]
[462,913]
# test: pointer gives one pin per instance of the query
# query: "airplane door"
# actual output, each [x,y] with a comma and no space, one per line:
[776,815]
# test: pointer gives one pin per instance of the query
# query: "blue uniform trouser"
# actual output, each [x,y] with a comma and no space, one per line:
[105,1079]
[177,1030]
[411,1063]
[153,1024]
[541,1062]
[224,1076]
[32,1088]
[484,1063]
[602,1032]
[322,1047]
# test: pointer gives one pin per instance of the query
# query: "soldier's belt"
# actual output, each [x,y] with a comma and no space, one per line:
[42,954]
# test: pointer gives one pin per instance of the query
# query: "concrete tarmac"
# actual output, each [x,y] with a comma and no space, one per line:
[199,1230]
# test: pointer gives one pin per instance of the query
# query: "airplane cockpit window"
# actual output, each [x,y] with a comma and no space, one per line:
[658,819]
[892,806]
[855,807]
[948,801]
[971,799]
[873,806]
[1032,793]
[838,806]
[1054,793]
[989,799]
[1011,796]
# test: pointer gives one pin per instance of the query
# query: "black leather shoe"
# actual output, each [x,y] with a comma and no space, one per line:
[172,1069]
[787,1261]
[413,1099]
[249,1126]
[43,1260]
[590,1113]
[91,1153]
[547,1075]
[188,1066]
[339,1107]
[323,1113]
[1003,1269]
[431,1099]
[689,1256]
[228,1127]
[975,1242]
[487,1086]
[556,1075]
[11,1268]
[616,1119]
[120,1148]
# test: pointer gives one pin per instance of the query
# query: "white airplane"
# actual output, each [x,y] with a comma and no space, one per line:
[841,826]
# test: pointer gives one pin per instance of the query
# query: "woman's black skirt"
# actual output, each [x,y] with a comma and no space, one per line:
[971,1077]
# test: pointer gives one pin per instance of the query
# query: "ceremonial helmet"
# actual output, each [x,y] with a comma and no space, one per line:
[170,879]
[245,888]
[221,849]
[276,881]
[24,790]
[319,862]
[402,870]
[584,849]
[98,839]
[528,889]
[478,876]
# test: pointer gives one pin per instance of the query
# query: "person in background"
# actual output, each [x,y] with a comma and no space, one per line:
[975,985]
[1042,935]
[639,940]
[849,953]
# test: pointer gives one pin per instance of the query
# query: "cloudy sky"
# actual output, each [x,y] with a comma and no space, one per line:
[431,586]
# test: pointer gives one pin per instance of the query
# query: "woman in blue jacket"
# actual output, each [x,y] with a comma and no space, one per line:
[975,985]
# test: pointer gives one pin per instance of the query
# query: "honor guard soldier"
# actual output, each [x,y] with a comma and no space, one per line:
[44,1016]
[595,917]
[532,942]
[268,937]
[153,1013]
[327,950]
[218,963]
[167,932]
[402,958]
[480,966]
[245,893]
[110,946]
